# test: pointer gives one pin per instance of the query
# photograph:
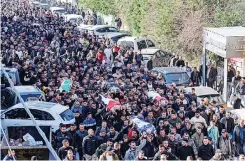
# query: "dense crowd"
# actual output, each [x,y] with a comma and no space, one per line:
[45,49]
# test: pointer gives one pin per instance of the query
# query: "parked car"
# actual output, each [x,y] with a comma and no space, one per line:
[208,92]
[173,75]
[137,43]
[72,17]
[115,36]
[58,10]
[161,58]
[27,93]
[238,114]
[13,74]
[45,113]
[101,29]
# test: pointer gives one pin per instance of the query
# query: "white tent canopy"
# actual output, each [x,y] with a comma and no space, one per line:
[227,42]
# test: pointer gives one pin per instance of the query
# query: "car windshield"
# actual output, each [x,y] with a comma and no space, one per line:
[214,97]
[67,115]
[60,11]
[126,44]
[177,78]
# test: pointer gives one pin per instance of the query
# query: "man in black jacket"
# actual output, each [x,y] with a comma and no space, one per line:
[206,151]
[195,77]
[185,150]
[80,134]
[90,144]
[61,135]
[62,152]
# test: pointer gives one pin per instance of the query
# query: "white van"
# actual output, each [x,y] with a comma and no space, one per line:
[137,43]
[58,10]
[72,17]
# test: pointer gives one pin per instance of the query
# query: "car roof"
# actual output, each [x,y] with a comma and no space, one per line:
[130,38]
[73,15]
[202,91]
[149,51]
[56,8]
[10,69]
[166,70]
[97,27]
[27,89]
[240,113]
[114,34]
[40,105]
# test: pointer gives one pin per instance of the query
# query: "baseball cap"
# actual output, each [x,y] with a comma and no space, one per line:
[223,130]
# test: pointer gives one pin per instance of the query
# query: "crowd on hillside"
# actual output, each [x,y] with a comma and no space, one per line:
[45,49]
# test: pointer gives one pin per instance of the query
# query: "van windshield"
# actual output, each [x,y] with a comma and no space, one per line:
[67,115]
[60,11]
[126,44]
[177,78]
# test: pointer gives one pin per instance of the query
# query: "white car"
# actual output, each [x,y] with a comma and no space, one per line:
[208,92]
[45,113]
[101,29]
[58,10]
[137,43]
[72,17]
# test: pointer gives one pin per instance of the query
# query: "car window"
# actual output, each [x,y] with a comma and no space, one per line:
[177,78]
[101,30]
[150,43]
[17,113]
[41,115]
[67,115]
[112,29]
[141,44]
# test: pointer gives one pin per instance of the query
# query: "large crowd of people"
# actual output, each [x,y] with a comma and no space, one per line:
[45,49]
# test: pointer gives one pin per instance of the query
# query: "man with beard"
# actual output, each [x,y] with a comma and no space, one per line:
[78,118]
[134,150]
[197,120]
[206,151]
[162,150]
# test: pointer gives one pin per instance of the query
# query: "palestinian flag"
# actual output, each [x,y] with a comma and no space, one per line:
[66,85]
[110,103]
[155,96]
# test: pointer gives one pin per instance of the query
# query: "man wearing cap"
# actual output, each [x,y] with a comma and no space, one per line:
[103,126]
[102,138]
[124,145]
[225,144]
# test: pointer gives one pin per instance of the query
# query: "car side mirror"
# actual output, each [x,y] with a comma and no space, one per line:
[2,116]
